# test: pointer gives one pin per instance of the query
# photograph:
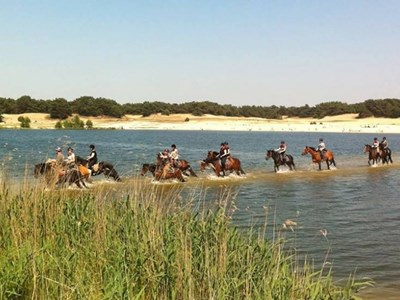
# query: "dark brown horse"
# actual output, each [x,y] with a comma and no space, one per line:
[386,154]
[103,167]
[231,164]
[148,168]
[160,174]
[288,160]
[316,156]
[373,154]
[106,168]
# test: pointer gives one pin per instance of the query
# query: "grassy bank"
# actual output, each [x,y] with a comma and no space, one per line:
[140,241]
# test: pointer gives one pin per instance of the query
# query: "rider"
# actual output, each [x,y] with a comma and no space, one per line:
[281,150]
[375,144]
[321,148]
[59,156]
[92,158]
[224,153]
[70,161]
[385,144]
[174,155]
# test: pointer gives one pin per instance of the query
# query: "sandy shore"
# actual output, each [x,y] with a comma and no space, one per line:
[343,123]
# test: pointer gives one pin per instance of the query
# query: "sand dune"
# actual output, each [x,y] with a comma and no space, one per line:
[342,123]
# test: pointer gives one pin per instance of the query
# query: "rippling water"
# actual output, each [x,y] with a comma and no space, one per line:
[357,206]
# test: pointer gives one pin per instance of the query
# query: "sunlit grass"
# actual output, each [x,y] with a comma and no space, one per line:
[143,241]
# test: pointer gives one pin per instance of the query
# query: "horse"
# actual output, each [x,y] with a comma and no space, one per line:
[386,154]
[58,176]
[288,160]
[82,165]
[373,154]
[231,164]
[181,164]
[107,169]
[159,174]
[316,156]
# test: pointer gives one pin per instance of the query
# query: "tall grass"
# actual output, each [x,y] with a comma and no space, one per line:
[140,241]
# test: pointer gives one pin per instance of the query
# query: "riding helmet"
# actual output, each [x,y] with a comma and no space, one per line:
[375,139]
[91,146]
[173,146]
[58,149]
[282,142]
[321,140]
[384,137]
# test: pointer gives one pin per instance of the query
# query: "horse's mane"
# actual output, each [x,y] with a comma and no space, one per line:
[312,148]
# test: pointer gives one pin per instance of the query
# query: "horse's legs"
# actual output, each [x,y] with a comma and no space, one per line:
[192,172]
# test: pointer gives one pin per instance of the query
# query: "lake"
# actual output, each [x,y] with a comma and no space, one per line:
[352,213]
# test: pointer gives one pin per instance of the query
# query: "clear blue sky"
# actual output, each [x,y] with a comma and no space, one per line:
[230,52]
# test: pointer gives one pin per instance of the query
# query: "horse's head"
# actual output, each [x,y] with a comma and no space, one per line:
[306,150]
[269,154]
[203,165]
[81,161]
[39,169]
[145,169]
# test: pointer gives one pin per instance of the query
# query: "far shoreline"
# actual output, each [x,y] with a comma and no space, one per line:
[348,123]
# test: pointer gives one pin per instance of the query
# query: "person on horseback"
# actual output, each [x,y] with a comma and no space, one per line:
[282,150]
[321,148]
[375,144]
[59,156]
[92,158]
[174,155]
[224,153]
[70,161]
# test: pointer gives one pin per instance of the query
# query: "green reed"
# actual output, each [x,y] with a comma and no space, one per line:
[140,241]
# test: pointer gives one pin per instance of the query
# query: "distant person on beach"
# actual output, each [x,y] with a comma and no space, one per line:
[282,150]
[321,148]
[92,158]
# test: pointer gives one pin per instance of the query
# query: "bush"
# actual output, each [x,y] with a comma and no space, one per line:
[25,122]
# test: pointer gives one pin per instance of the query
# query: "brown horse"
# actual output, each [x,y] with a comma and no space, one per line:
[288,160]
[159,174]
[181,164]
[316,156]
[232,164]
[373,154]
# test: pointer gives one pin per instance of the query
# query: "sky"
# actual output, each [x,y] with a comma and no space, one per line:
[289,53]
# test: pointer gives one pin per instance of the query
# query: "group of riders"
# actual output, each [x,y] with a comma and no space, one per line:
[169,159]
[381,146]
[71,161]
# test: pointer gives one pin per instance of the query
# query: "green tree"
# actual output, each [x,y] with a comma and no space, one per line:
[89,124]
[60,109]
[58,125]
[25,122]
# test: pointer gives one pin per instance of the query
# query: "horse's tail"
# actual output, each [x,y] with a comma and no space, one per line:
[241,170]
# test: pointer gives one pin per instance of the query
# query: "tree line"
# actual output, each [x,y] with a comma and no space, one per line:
[88,106]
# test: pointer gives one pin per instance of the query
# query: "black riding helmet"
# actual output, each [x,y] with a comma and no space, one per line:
[91,146]
[173,146]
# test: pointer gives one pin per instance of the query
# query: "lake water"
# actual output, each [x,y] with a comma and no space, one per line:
[356,205]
